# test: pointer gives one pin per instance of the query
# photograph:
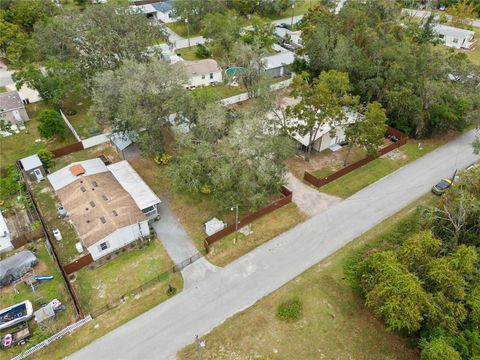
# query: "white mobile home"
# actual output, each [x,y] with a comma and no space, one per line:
[108,206]
[455,37]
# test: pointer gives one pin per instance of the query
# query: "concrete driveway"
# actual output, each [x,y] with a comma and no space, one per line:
[180,247]
[308,199]
[167,328]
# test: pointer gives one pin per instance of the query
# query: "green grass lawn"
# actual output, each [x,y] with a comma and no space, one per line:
[334,325]
[298,10]
[180,28]
[3,89]
[83,124]
[264,229]
[188,53]
[46,291]
[28,142]
[474,54]
[106,284]
[221,91]
[377,169]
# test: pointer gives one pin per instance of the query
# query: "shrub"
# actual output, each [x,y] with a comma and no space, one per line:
[163,159]
[290,310]
[171,290]
[202,51]
[51,124]
[46,157]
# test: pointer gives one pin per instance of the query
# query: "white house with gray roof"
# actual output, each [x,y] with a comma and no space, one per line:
[455,37]
[12,108]
[161,11]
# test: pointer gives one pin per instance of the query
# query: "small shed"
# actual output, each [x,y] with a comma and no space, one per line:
[125,146]
[33,168]
[44,313]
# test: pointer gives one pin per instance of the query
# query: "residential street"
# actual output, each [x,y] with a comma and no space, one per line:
[162,331]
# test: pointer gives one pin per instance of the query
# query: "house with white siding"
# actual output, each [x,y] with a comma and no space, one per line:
[201,72]
[109,206]
[455,37]
[161,11]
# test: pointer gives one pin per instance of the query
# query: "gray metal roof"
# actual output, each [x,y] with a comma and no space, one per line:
[164,6]
[31,162]
[121,140]
[10,101]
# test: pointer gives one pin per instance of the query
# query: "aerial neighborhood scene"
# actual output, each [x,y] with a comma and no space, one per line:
[240,179]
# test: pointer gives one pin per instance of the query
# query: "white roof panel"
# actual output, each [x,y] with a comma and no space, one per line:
[134,184]
[64,177]
[31,162]
[280,59]
[452,31]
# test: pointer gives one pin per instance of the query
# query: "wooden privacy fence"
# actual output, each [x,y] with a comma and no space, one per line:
[27,237]
[250,218]
[68,149]
[402,140]
[78,264]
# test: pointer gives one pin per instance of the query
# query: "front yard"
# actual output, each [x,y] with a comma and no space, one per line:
[334,323]
[193,212]
[327,162]
[45,292]
[28,142]
[106,284]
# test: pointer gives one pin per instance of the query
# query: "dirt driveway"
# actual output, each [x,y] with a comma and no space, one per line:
[308,199]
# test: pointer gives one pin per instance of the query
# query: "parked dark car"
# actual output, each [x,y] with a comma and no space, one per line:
[442,186]
[283,25]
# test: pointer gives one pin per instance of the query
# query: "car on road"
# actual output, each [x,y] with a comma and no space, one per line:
[442,186]
[284,25]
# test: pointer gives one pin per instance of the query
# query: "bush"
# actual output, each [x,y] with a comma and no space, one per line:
[163,159]
[46,157]
[202,51]
[51,124]
[171,290]
[290,310]
[10,183]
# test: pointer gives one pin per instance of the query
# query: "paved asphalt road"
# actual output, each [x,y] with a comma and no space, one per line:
[162,331]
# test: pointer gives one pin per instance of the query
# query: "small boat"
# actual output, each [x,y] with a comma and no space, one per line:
[16,314]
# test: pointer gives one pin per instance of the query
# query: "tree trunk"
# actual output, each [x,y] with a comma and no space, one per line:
[350,146]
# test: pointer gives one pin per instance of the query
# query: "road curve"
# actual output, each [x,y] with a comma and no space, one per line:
[165,329]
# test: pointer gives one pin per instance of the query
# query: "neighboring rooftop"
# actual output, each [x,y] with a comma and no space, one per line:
[9,101]
[98,206]
[280,59]
[163,6]
[199,67]
[141,193]
[452,31]
[31,162]
[121,140]
[64,176]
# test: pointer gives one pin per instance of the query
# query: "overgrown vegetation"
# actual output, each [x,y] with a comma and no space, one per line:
[290,310]
[423,280]
[424,89]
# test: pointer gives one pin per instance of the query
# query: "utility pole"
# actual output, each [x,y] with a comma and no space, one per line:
[236,223]
[188,31]
[293,11]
